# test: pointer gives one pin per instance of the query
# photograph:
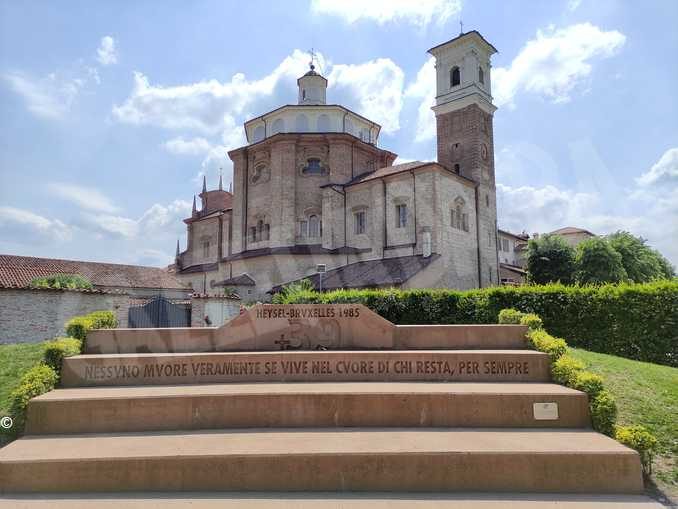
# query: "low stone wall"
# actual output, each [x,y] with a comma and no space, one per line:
[31,316]
[219,309]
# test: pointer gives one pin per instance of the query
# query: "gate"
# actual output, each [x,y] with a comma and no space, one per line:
[160,312]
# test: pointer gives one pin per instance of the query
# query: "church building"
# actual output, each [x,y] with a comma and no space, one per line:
[313,187]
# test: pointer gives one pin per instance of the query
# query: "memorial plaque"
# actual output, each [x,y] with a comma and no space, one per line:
[545,411]
[305,327]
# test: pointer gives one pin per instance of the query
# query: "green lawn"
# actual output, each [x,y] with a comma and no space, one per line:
[646,394]
[14,361]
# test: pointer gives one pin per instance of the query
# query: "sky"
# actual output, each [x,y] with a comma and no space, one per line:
[112,111]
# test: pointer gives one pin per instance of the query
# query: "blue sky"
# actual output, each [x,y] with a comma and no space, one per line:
[111,112]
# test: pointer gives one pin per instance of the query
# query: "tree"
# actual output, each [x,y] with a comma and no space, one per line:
[550,259]
[598,262]
[641,262]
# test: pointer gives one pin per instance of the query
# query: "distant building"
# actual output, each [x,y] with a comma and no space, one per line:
[572,235]
[511,250]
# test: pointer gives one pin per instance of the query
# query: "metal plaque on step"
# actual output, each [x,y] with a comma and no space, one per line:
[545,411]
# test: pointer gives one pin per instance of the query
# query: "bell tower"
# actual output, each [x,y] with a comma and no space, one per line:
[464,113]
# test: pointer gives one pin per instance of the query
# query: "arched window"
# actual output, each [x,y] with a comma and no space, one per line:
[259,133]
[278,126]
[323,123]
[455,76]
[314,226]
[301,125]
[303,94]
[267,232]
[481,75]
[313,167]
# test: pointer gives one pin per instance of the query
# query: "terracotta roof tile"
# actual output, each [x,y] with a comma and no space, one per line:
[19,271]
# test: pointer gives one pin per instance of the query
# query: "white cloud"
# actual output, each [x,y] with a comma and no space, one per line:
[572,5]
[50,97]
[106,52]
[157,220]
[554,63]
[377,86]
[664,171]
[646,210]
[419,12]
[424,89]
[181,146]
[15,221]
[85,197]
[205,106]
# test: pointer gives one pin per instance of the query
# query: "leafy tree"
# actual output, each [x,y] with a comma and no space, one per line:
[65,281]
[641,262]
[550,259]
[598,262]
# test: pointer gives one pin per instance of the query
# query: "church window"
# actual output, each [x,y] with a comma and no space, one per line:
[313,167]
[314,226]
[303,228]
[267,232]
[301,124]
[401,215]
[259,133]
[452,218]
[481,75]
[457,169]
[360,222]
[278,126]
[455,76]
[253,234]
[303,93]
[464,222]
[487,200]
[206,249]
[260,230]
[324,123]
[460,224]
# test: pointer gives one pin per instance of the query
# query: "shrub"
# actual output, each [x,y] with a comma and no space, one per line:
[565,370]
[639,438]
[636,321]
[603,413]
[532,321]
[510,316]
[36,381]
[62,281]
[77,327]
[542,341]
[588,382]
[103,319]
[58,349]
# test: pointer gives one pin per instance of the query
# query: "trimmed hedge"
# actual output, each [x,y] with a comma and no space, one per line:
[36,381]
[78,326]
[57,349]
[636,321]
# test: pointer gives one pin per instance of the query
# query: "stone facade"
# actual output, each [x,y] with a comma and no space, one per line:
[310,193]
[31,316]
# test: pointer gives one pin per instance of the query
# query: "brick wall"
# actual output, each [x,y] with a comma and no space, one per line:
[31,316]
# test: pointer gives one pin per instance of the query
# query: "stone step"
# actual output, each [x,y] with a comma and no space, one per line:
[347,459]
[306,366]
[343,404]
[282,500]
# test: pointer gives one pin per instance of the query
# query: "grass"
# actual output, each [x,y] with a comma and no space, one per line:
[15,360]
[646,394]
